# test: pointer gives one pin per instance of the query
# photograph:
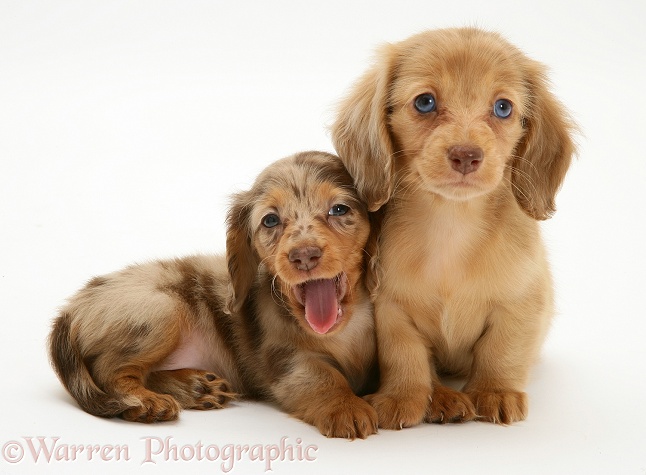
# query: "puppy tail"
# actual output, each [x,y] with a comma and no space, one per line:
[68,363]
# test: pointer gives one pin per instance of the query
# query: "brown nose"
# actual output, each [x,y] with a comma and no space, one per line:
[465,159]
[305,258]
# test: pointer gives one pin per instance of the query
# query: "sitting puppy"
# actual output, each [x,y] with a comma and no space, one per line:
[285,317]
[457,131]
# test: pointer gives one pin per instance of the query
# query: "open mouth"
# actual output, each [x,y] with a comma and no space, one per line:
[322,301]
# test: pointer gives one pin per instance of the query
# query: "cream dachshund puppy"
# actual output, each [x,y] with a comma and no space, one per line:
[284,317]
[456,137]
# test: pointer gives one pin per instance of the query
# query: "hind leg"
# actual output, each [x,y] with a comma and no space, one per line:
[144,404]
[191,388]
[122,369]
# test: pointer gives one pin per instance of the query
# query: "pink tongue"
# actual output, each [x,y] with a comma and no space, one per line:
[321,309]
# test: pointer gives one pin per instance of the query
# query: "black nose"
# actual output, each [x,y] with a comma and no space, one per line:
[305,258]
[465,159]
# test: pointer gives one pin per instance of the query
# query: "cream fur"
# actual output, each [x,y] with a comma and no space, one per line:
[462,283]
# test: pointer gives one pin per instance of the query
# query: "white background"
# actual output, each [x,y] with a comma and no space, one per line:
[125,126]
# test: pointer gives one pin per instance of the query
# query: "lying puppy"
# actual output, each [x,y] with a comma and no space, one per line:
[456,130]
[284,317]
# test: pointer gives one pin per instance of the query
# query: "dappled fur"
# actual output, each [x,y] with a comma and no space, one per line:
[194,332]
[462,284]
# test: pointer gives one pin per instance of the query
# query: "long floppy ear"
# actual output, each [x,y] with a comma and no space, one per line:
[242,259]
[545,152]
[361,133]
[372,268]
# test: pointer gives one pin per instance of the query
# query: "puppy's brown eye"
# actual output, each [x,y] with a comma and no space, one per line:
[271,220]
[338,210]
[502,108]
[425,103]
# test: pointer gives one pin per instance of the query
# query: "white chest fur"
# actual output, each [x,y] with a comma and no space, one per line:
[450,265]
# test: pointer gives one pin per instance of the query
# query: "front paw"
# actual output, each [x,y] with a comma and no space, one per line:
[449,405]
[500,407]
[349,418]
[401,410]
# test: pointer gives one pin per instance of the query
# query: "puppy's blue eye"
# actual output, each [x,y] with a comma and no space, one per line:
[425,103]
[502,108]
[270,220]
[338,210]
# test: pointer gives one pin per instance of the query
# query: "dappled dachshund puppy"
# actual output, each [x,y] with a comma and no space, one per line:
[284,317]
[455,135]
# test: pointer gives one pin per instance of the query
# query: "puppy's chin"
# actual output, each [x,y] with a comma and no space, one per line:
[455,186]
[458,190]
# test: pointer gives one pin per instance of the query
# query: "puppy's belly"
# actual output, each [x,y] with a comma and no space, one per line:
[197,351]
[454,362]
[450,333]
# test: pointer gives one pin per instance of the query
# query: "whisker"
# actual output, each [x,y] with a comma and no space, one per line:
[520,191]
[277,295]
[527,188]
[526,161]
